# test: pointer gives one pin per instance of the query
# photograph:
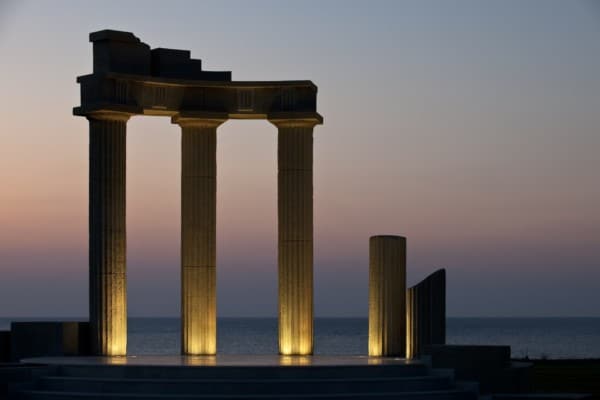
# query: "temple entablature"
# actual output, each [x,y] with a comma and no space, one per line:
[132,78]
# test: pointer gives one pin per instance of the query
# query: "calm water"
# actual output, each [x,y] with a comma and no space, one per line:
[532,337]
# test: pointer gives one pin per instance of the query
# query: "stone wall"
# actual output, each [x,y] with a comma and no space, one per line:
[47,338]
[426,314]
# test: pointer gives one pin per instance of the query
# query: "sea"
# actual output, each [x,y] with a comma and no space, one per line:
[534,338]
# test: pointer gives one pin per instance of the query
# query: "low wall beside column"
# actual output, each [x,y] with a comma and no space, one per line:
[426,314]
[49,338]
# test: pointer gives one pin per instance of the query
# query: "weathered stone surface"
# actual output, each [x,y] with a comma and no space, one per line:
[116,51]
[171,63]
[129,79]
[128,76]
[426,314]
[108,239]
[295,231]
[34,339]
[198,235]
[387,299]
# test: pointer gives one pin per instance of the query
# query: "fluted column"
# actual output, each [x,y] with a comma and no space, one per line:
[387,296]
[198,235]
[107,236]
[295,220]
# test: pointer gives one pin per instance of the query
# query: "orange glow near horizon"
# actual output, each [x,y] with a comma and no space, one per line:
[469,135]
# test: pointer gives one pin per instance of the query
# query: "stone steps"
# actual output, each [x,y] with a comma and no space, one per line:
[14,375]
[421,395]
[410,381]
[243,372]
[247,386]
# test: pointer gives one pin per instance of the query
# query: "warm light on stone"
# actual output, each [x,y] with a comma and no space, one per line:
[198,235]
[107,241]
[295,216]
[375,361]
[387,296]
[409,326]
[120,360]
[129,78]
[200,361]
[295,360]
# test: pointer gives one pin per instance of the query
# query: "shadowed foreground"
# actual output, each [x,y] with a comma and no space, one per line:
[567,376]
[235,377]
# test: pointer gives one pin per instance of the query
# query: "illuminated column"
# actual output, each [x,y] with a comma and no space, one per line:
[198,235]
[295,216]
[387,296]
[107,238]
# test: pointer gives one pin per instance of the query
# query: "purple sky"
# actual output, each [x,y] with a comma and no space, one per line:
[470,127]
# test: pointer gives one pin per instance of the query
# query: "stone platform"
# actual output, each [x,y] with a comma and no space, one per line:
[223,361]
[239,377]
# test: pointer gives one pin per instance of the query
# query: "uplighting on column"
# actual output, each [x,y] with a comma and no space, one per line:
[387,296]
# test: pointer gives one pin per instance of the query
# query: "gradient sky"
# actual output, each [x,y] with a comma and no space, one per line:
[471,127]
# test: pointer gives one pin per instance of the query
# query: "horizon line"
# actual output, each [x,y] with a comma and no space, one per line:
[318,317]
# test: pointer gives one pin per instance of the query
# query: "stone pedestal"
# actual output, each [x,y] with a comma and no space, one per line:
[387,296]
[295,222]
[107,236]
[198,235]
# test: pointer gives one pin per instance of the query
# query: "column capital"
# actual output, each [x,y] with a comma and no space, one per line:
[108,115]
[200,120]
[294,120]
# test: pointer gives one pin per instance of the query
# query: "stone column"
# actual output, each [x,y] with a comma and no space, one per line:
[198,235]
[295,220]
[387,296]
[107,236]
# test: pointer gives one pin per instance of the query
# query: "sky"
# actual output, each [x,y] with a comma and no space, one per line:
[470,127]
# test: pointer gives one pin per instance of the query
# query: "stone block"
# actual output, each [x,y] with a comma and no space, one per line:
[464,357]
[491,366]
[116,51]
[48,338]
[174,63]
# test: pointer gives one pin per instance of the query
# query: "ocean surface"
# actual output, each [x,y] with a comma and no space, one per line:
[528,337]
